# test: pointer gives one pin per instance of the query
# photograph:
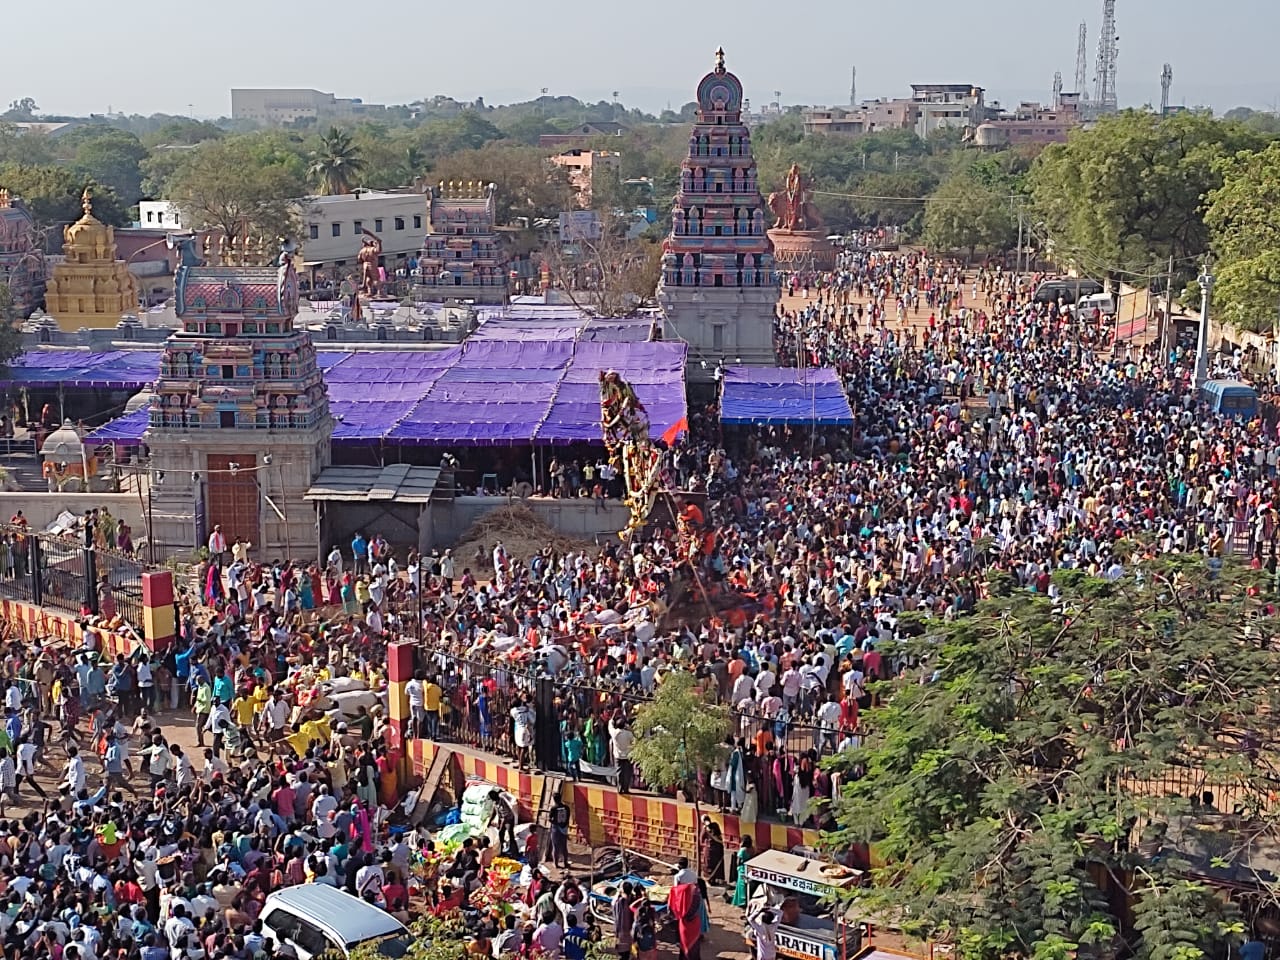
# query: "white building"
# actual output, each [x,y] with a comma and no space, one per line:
[159,215]
[939,106]
[280,106]
[334,226]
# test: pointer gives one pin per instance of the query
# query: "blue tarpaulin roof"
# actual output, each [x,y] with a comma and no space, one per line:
[783,395]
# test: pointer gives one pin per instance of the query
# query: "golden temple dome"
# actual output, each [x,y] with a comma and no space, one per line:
[90,288]
[89,239]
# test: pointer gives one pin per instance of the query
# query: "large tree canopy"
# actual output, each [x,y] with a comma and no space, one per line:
[965,214]
[1129,193]
[52,194]
[1241,216]
[240,185]
[1009,774]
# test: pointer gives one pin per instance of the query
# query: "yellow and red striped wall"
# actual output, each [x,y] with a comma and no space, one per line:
[655,826]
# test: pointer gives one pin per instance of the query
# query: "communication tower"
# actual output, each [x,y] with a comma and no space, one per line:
[1082,64]
[1166,82]
[1104,77]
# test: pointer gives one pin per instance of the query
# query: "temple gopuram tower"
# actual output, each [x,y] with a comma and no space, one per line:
[239,418]
[461,258]
[719,289]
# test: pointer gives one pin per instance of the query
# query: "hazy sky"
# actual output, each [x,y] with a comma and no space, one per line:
[147,56]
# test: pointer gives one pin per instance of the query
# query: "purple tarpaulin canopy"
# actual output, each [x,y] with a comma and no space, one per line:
[782,395]
[485,391]
[109,370]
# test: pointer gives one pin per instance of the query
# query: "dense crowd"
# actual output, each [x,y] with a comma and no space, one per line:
[992,434]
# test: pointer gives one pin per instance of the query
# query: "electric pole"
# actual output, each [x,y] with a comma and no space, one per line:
[1166,328]
[1202,346]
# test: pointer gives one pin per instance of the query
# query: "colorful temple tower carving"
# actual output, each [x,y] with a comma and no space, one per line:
[90,288]
[718,288]
[239,417]
[22,263]
[461,258]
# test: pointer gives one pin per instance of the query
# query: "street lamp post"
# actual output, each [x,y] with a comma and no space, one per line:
[1202,344]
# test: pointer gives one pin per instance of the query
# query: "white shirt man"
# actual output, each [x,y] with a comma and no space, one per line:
[219,718]
[522,717]
[276,713]
[621,740]
[217,542]
[159,760]
[179,931]
[75,775]
[213,765]
[765,680]
[369,879]
[791,681]
[183,773]
[26,759]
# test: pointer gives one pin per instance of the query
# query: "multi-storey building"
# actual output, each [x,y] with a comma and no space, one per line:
[280,106]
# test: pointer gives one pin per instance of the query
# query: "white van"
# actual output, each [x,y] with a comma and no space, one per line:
[1104,303]
[314,918]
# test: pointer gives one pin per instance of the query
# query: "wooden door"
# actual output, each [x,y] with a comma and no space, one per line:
[233,498]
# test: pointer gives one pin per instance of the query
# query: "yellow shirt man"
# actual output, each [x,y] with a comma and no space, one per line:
[243,710]
[431,696]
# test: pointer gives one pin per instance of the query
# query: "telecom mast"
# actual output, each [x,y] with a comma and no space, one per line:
[853,87]
[1166,82]
[1082,64]
[1057,89]
[1104,77]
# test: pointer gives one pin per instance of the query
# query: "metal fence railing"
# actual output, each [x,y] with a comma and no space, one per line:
[61,573]
[479,695]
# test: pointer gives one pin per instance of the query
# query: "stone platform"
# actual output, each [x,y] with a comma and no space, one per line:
[802,249]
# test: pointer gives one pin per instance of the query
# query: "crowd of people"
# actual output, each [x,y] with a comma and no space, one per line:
[992,433]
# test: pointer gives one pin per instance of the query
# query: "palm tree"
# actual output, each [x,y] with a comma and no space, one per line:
[336,164]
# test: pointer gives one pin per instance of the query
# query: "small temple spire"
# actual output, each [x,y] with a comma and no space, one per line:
[4,198]
[86,201]
[720,59]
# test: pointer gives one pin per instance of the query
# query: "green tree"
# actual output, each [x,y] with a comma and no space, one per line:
[414,163]
[112,158]
[23,109]
[1246,239]
[679,733]
[964,214]
[10,335]
[466,131]
[1018,764]
[336,163]
[183,132]
[52,194]
[30,147]
[240,186]
[528,186]
[1128,193]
